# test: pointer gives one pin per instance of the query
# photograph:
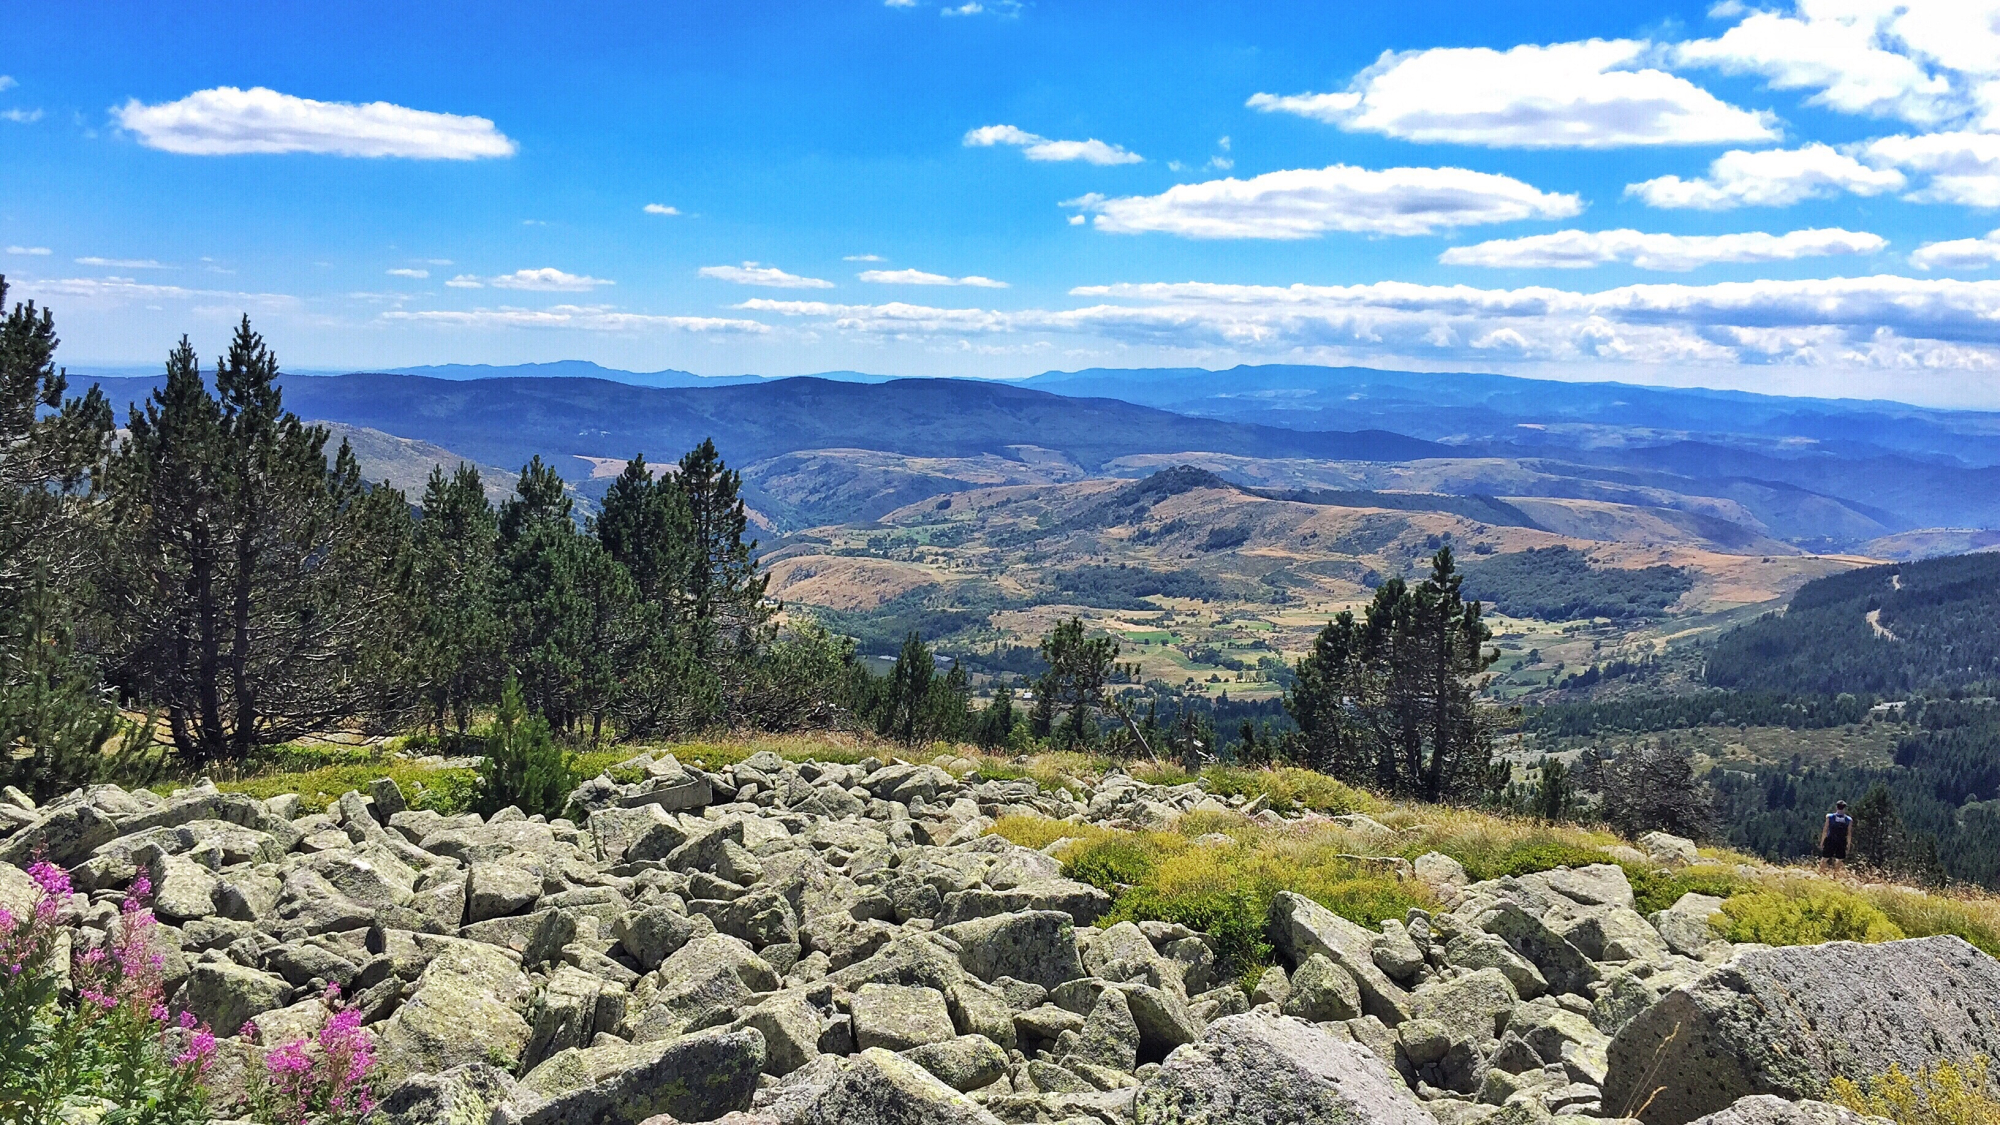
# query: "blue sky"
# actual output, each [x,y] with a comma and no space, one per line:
[1795,198]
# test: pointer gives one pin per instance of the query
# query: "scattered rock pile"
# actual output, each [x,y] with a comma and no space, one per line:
[783,943]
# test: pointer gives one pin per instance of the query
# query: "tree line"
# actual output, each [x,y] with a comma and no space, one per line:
[223,569]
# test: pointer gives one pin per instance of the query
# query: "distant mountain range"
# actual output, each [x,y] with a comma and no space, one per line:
[1820,473]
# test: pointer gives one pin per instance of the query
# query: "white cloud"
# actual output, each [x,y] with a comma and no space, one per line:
[22,116]
[894,318]
[465,281]
[7,82]
[919,277]
[1839,53]
[1928,63]
[969,8]
[1593,94]
[1035,147]
[437,261]
[226,121]
[548,280]
[38,251]
[660,209]
[899,3]
[1880,322]
[1963,167]
[1308,202]
[590,318]
[1958,254]
[863,258]
[123,263]
[410,273]
[771,277]
[1574,249]
[125,290]
[1770,178]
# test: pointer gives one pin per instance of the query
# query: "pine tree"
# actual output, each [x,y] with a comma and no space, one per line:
[1390,699]
[568,606]
[996,723]
[908,689]
[646,528]
[458,648]
[1069,694]
[55,719]
[724,588]
[260,587]
[523,767]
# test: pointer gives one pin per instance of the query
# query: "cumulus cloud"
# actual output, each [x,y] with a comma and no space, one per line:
[1839,54]
[22,116]
[548,280]
[122,263]
[465,281]
[1092,151]
[1958,254]
[7,82]
[38,251]
[1963,167]
[1576,249]
[227,121]
[1925,63]
[1592,94]
[863,258]
[590,318]
[660,209]
[410,273]
[919,277]
[771,277]
[1770,178]
[1308,202]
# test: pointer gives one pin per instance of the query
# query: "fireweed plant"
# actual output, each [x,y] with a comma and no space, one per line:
[84,1025]
[324,1080]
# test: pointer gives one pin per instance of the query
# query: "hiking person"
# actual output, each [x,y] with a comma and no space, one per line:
[1833,838]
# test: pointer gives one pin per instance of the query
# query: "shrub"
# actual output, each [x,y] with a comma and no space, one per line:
[1945,1094]
[1233,919]
[524,767]
[1804,916]
[1111,862]
[1529,856]
[1656,890]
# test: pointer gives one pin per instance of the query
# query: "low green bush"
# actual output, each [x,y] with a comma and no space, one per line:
[1528,857]
[1235,921]
[1656,890]
[1111,862]
[1800,915]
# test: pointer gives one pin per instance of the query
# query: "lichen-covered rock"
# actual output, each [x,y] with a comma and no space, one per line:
[1037,946]
[1768,1109]
[1259,1068]
[898,1017]
[467,1007]
[880,1088]
[223,994]
[964,1063]
[1300,927]
[463,1095]
[697,1078]
[1785,1021]
[1321,991]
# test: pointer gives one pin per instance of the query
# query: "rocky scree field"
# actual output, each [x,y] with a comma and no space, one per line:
[788,942]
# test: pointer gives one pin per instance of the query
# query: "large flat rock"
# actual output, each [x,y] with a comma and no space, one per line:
[1786,1021]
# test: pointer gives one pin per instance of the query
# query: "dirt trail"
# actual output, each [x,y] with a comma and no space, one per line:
[1881,630]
